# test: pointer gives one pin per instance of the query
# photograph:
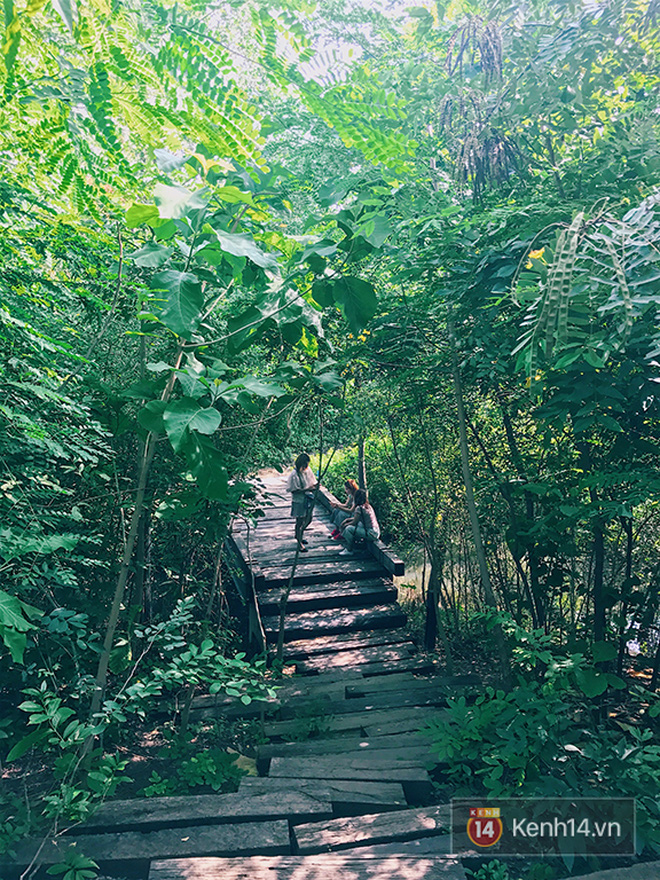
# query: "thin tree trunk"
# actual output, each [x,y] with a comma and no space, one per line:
[362,465]
[472,507]
[627,526]
[145,466]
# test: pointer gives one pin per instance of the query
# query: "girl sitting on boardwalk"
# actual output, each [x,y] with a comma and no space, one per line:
[363,524]
[344,512]
[300,483]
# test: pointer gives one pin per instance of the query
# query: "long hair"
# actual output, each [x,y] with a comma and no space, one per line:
[351,486]
[302,461]
[361,498]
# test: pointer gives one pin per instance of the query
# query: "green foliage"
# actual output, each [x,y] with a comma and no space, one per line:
[76,866]
[213,768]
[541,739]
[494,870]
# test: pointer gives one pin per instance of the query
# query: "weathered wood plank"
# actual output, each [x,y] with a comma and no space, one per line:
[263,838]
[402,825]
[398,724]
[348,797]
[344,642]
[411,774]
[207,809]
[404,720]
[327,867]
[336,746]
[319,572]
[332,620]
[362,657]
[350,596]
[439,845]
[404,681]
[415,664]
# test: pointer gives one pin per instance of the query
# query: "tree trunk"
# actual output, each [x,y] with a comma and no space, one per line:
[113,619]
[472,507]
[362,465]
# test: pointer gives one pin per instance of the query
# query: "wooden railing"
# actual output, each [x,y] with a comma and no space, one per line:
[249,579]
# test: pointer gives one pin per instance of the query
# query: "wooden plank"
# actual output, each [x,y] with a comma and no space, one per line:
[356,758]
[319,572]
[411,740]
[293,698]
[407,720]
[344,642]
[351,596]
[411,774]
[331,866]
[401,825]
[415,664]
[439,845]
[170,812]
[331,620]
[407,680]
[370,654]
[250,838]
[348,797]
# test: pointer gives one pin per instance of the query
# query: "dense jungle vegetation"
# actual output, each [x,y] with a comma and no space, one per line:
[421,241]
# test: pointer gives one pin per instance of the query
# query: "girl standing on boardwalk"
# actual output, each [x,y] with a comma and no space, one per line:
[300,484]
[363,524]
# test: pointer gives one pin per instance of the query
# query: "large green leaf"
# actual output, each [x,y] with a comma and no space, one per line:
[185,415]
[139,214]
[14,623]
[206,466]
[175,202]
[151,416]
[357,299]
[151,256]
[245,246]
[592,683]
[183,301]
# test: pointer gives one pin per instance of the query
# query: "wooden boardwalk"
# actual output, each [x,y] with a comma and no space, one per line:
[343,791]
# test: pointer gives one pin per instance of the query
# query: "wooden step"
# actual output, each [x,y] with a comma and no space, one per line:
[415,664]
[330,621]
[415,741]
[348,797]
[331,866]
[249,838]
[404,681]
[351,569]
[356,766]
[361,658]
[364,754]
[364,723]
[352,595]
[402,825]
[206,809]
[345,642]
[438,845]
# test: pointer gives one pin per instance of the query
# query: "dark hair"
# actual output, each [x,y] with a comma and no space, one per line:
[302,461]
[361,498]
[351,486]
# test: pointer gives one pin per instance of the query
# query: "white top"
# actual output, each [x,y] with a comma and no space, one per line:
[367,516]
[300,481]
